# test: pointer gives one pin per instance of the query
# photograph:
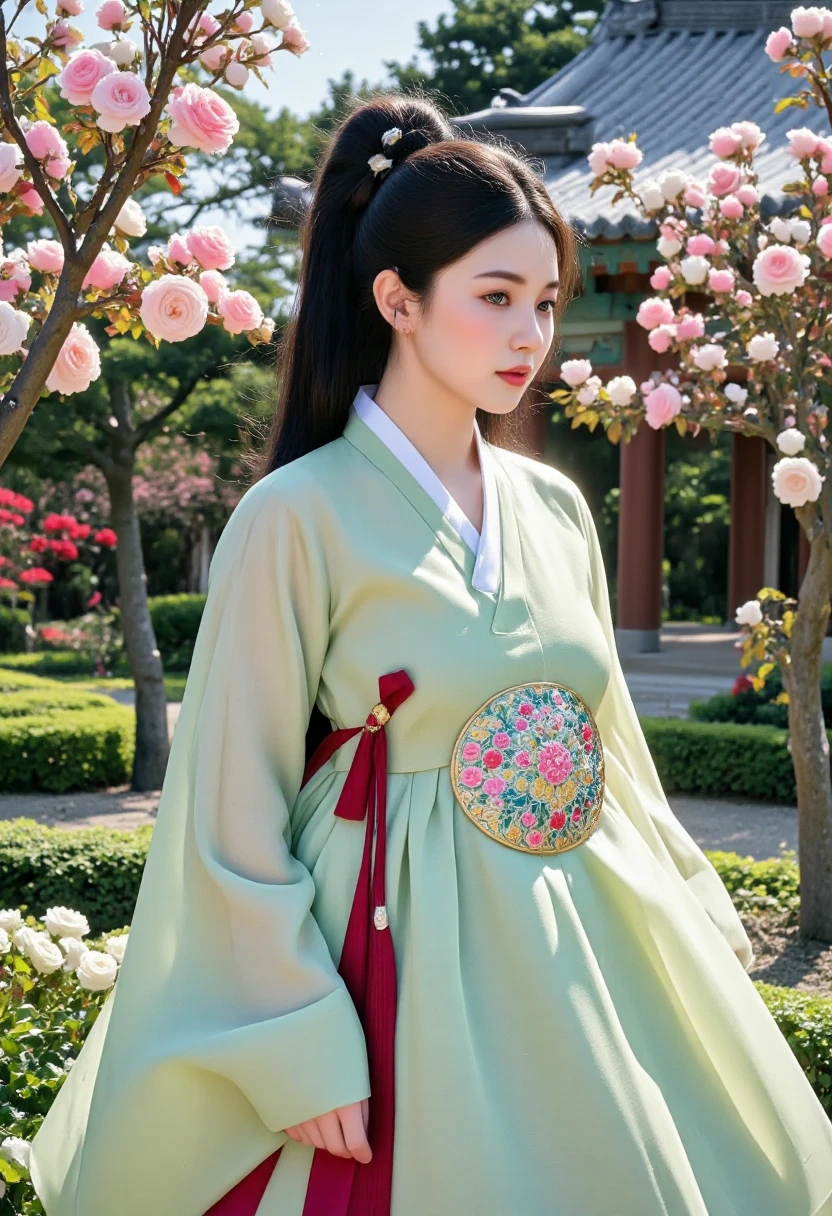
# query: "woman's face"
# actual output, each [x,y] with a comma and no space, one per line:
[491,311]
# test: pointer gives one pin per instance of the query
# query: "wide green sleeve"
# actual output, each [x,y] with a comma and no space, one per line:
[229,1021]
[631,774]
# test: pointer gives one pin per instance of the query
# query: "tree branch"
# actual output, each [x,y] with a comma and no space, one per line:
[146,429]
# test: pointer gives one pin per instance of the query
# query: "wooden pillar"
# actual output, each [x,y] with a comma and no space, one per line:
[746,546]
[640,518]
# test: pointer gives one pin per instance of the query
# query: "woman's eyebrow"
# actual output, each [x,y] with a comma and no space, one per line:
[509,274]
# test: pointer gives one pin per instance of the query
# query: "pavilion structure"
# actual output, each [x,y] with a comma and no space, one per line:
[672,71]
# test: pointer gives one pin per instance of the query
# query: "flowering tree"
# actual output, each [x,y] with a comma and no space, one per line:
[125,102]
[129,111]
[769,322]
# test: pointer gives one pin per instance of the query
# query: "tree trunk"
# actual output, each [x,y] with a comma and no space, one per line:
[810,745]
[152,743]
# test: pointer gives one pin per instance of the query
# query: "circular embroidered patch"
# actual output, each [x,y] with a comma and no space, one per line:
[528,768]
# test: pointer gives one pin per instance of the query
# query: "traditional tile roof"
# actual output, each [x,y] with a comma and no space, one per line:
[672,71]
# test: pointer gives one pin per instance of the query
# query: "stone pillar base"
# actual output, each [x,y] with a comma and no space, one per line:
[637,641]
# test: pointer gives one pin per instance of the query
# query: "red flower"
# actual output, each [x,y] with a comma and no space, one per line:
[59,523]
[51,633]
[492,758]
[10,517]
[741,684]
[8,498]
[558,819]
[8,583]
[64,549]
[36,575]
[80,531]
[106,537]
[94,599]
[38,544]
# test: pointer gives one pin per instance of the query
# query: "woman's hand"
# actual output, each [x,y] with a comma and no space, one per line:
[342,1132]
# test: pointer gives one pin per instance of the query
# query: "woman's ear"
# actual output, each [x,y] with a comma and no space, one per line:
[391,298]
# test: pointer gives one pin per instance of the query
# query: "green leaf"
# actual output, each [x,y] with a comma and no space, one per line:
[785,102]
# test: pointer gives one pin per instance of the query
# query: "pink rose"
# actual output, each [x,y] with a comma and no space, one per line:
[748,195]
[211,247]
[43,140]
[522,759]
[58,167]
[655,312]
[825,238]
[749,133]
[598,158]
[121,100]
[695,195]
[777,43]
[720,281]
[660,338]
[178,249]
[244,22]
[65,35]
[215,56]
[82,74]
[724,179]
[77,365]
[528,819]
[69,8]
[534,839]
[471,777]
[820,187]
[731,207]
[690,326]
[502,739]
[173,308]
[802,142]
[201,119]
[662,405]
[779,270]
[295,40]
[240,312]
[31,199]
[622,154]
[46,256]
[471,751]
[724,142]
[213,284]
[108,270]
[111,15]
[660,278]
[744,299]
[807,22]
[701,245]
[495,785]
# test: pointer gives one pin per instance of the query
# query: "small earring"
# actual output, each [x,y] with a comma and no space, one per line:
[395,310]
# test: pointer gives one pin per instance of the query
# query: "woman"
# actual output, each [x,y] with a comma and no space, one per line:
[518,987]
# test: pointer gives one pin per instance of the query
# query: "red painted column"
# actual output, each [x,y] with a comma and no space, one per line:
[746,545]
[641,517]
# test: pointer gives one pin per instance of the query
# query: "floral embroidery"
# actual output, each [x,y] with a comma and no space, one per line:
[528,768]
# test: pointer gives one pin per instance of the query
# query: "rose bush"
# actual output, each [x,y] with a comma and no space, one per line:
[768,324]
[128,104]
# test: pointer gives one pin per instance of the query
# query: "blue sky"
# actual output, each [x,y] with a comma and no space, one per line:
[355,34]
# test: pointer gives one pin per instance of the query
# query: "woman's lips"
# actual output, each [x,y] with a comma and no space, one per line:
[515,378]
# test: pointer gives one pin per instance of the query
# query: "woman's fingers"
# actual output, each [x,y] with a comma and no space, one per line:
[315,1134]
[365,1112]
[330,1126]
[355,1136]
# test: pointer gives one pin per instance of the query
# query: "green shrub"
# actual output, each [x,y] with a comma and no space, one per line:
[52,663]
[95,869]
[806,1021]
[723,759]
[56,738]
[769,885]
[13,622]
[756,707]
[176,620]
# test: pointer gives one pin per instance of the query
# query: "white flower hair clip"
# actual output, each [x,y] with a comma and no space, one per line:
[379,161]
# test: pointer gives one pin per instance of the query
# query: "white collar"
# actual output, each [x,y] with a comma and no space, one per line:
[486,545]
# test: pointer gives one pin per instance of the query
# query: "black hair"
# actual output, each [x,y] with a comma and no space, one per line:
[442,197]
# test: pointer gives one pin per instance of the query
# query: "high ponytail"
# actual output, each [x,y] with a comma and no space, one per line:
[441,197]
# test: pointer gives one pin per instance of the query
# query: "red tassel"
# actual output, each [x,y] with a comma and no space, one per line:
[342,1186]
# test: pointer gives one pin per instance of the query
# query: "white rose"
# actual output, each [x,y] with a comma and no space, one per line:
[763,347]
[673,183]
[131,219]
[651,196]
[736,393]
[122,51]
[597,158]
[588,392]
[97,971]
[42,953]
[780,229]
[791,441]
[796,481]
[236,74]
[668,246]
[5,942]
[10,919]
[801,231]
[74,950]
[11,166]
[117,945]
[15,1149]
[709,357]
[620,390]
[575,371]
[278,13]
[21,936]
[66,922]
[749,613]
[14,325]
[694,269]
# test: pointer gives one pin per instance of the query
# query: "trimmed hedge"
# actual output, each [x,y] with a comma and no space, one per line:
[13,622]
[756,707]
[57,739]
[722,759]
[175,622]
[55,663]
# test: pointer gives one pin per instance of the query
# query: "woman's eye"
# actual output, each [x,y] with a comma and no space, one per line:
[492,294]
[549,304]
